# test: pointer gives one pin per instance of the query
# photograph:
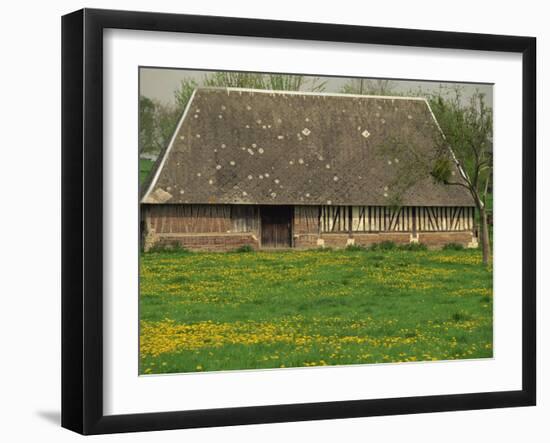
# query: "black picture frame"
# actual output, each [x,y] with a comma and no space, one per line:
[82,218]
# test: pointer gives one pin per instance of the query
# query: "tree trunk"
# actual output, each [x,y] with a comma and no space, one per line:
[485,241]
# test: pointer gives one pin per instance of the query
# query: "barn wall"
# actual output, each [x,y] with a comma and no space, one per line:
[388,219]
[364,239]
[227,227]
[208,242]
[306,220]
[201,227]
[440,239]
[170,219]
[340,226]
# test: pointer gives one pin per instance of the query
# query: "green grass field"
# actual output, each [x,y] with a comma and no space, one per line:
[208,312]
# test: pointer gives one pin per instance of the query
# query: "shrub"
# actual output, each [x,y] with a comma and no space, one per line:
[383,246]
[461,316]
[244,248]
[173,247]
[355,248]
[453,247]
[324,249]
[413,247]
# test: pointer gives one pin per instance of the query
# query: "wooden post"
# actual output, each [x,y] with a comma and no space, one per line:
[350,221]
[319,215]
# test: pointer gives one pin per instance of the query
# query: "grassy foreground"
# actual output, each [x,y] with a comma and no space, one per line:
[208,312]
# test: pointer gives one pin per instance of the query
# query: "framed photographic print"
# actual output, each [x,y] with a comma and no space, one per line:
[273,221]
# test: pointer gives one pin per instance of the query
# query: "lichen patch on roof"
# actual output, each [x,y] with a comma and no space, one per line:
[318,147]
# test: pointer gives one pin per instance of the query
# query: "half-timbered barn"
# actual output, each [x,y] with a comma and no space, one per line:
[279,169]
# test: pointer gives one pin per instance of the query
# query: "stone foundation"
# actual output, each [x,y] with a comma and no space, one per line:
[207,242]
[399,238]
[336,241]
[440,239]
[211,242]
[307,241]
[432,240]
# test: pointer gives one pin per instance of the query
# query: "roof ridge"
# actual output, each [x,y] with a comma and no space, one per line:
[312,93]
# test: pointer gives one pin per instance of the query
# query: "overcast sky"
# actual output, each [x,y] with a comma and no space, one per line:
[160,84]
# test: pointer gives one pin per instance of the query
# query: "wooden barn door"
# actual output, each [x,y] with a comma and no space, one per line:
[276,221]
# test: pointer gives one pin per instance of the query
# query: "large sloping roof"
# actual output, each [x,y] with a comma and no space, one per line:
[239,146]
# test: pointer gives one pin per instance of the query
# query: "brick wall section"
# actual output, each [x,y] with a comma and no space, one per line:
[440,239]
[306,241]
[208,243]
[431,239]
[230,242]
[399,238]
[335,240]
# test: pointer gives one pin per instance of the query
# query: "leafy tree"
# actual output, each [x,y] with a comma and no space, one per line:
[463,142]
[228,79]
[275,82]
[146,123]
[467,132]
[369,87]
[166,117]
[251,80]
[286,82]
[157,122]
[184,92]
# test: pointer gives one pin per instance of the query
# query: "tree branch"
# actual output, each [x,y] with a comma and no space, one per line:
[458,184]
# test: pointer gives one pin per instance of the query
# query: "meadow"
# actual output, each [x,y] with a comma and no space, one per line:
[250,310]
